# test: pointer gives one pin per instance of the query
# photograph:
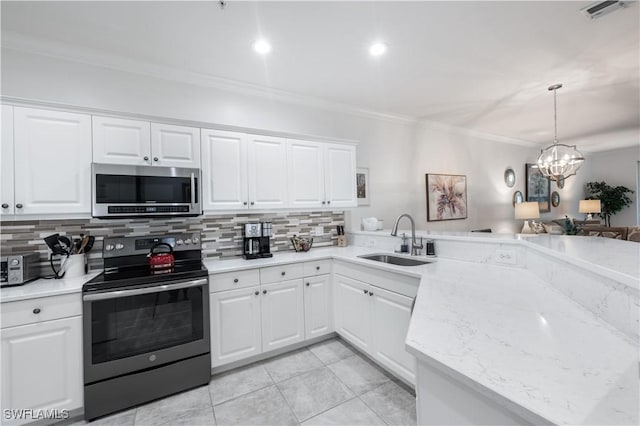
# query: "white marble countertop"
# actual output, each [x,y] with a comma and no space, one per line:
[44,288]
[619,260]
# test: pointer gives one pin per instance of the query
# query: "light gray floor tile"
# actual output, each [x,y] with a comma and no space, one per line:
[313,392]
[191,407]
[238,382]
[353,412]
[331,351]
[262,407]
[392,403]
[292,364]
[358,374]
[124,418]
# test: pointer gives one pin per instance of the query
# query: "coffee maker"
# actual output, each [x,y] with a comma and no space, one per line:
[256,243]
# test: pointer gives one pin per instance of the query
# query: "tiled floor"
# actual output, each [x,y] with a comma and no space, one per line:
[325,384]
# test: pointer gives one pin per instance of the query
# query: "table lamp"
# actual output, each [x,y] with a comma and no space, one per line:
[589,207]
[529,211]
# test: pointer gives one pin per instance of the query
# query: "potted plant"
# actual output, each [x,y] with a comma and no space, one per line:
[612,199]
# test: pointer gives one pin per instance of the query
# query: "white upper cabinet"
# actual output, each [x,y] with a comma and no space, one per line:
[175,146]
[121,141]
[267,172]
[52,162]
[224,170]
[340,175]
[6,161]
[305,173]
[141,143]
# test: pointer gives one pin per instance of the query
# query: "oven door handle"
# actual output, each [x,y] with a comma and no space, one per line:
[144,290]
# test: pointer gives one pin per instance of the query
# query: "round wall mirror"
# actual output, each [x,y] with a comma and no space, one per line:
[555,199]
[560,182]
[510,177]
[517,198]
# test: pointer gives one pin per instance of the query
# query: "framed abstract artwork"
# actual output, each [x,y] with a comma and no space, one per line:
[537,188]
[446,197]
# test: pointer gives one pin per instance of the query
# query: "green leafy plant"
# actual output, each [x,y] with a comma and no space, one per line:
[612,199]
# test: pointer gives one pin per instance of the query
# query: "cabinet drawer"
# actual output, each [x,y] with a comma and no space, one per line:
[31,311]
[317,267]
[234,280]
[275,274]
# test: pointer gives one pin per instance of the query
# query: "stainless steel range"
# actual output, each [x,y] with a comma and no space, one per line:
[146,330]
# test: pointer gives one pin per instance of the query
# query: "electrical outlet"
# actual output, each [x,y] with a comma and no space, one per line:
[371,242]
[319,231]
[507,257]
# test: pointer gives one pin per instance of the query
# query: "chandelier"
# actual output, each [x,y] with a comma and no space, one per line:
[558,161]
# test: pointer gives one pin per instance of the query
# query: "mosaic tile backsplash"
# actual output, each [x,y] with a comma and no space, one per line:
[221,234]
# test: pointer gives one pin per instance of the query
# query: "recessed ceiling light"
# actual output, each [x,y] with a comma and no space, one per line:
[262,46]
[377,49]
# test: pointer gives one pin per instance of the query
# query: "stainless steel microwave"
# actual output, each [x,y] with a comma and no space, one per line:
[132,191]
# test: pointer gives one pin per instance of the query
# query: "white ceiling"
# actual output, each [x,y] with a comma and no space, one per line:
[483,66]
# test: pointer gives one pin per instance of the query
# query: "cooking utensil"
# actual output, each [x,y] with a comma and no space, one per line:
[89,246]
[161,262]
[83,244]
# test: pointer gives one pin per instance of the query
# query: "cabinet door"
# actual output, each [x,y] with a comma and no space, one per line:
[235,325]
[352,306]
[6,161]
[224,170]
[175,146]
[120,141]
[318,306]
[391,316]
[282,314]
[305,170]
[267,172]
[52,161]
[340,175]
[42,365]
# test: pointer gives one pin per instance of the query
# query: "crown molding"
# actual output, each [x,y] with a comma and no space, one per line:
[38,46]
[463,131]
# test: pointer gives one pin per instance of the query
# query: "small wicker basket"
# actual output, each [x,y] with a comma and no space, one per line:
[301,244]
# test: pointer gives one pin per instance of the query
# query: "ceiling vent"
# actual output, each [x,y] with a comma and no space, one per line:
[599,9]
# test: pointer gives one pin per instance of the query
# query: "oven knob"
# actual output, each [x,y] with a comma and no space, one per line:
[15,262]
[119,246]
[179,242]
[187,241]
[109,247]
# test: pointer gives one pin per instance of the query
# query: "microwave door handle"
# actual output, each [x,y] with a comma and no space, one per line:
[144,290]
[193,190]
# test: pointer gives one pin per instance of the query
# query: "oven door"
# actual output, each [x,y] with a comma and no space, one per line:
[132,329]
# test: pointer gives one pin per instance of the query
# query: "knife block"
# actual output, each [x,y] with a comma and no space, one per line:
[342,240]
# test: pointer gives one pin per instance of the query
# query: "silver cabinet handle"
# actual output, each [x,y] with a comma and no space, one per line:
[155,158]
[5,205]
[146,158]
[18,206]
[144,290]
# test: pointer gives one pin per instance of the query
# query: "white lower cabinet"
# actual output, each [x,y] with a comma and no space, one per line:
[236,331]
[376,321]
[353,311]
[42,366]
[282,314]
[318,306]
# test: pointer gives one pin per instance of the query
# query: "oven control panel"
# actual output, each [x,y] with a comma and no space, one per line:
[128,246]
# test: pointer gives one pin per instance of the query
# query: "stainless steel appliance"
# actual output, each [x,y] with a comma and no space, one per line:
[18,269]
[146,332]
[126,191]
[256,243]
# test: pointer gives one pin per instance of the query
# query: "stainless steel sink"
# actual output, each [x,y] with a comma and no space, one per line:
[395,260]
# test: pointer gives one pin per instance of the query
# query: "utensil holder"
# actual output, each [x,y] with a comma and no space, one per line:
[74,266]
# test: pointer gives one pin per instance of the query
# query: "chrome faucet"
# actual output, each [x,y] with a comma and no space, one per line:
[414,244]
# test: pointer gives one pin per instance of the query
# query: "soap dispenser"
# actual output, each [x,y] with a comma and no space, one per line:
[404,248]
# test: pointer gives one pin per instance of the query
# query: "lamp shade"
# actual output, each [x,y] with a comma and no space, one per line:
[589,206]
[528,210]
